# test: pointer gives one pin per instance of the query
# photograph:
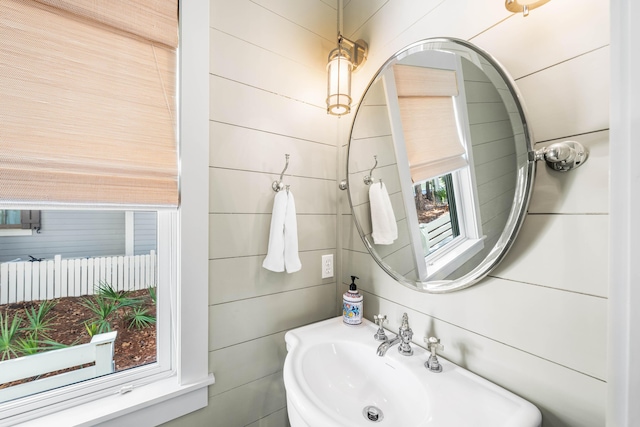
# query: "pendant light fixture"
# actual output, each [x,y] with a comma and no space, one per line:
[524,6]
[343,60]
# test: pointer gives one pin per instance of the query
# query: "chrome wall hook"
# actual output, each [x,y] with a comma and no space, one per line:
[279,185]
[368,180]
[563,156]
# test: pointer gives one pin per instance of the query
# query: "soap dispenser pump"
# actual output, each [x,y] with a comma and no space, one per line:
[352,304]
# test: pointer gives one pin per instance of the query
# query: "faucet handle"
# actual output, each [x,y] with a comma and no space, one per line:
[380,319]
[433,344]
[433,364]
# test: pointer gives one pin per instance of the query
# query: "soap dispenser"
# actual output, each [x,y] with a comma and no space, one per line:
[352,304]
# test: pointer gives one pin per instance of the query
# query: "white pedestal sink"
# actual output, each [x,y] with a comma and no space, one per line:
[334,378]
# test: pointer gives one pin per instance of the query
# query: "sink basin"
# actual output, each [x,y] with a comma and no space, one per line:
[333,377]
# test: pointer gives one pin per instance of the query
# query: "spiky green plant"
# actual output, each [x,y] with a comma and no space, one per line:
[55,345]
[103,309]
[92,328]
[28,345]
[139,318]
[8,336]
[153,294]
[38,322]
[120,298]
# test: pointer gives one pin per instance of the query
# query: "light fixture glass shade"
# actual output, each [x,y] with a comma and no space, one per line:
[339,83]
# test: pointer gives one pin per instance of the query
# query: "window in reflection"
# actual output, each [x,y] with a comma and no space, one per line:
[450,230]
[436,209]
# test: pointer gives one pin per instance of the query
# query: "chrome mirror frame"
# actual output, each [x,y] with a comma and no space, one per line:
[524,184]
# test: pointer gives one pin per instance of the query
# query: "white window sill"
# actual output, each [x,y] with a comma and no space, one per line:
[8,232]
[452,258]
[151,404]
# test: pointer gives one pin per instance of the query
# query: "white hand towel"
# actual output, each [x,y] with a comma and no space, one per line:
[383,220]
[275,252]
[291,260]
[282,252]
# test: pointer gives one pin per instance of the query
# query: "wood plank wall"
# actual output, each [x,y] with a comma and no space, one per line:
[268,90]
[537,325]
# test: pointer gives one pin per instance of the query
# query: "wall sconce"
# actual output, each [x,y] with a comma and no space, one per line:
[524,6]
[343,60]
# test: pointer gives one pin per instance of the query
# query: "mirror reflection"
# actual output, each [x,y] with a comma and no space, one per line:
[442,124]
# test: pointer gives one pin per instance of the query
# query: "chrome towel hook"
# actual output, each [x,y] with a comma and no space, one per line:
[368,180]
[279,185]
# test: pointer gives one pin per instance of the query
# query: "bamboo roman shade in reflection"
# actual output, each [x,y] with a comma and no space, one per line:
[428,120]
[87,102]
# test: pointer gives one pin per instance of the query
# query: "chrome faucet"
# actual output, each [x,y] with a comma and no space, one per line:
[404,338]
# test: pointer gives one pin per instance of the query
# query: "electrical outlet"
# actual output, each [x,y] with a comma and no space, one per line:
[327,266]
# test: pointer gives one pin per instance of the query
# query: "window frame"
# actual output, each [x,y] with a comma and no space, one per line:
[33,406]
[27,224]
[470,241]
[159,397]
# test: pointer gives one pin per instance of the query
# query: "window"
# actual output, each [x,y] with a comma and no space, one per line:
[71,286]
[455,233]
[10,219]
[437,213]
[18,223]
[179,386]
[427,111]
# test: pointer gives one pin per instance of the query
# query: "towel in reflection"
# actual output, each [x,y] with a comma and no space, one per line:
[383,220]
[282,253]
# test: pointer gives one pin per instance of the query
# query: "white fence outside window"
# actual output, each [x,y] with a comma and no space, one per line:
[435,231]
[58,278]
[98,355]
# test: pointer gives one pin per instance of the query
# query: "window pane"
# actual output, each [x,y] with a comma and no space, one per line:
[9,217]
[89,275]
[437,218]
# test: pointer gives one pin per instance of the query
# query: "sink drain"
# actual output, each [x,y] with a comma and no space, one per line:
[373,414]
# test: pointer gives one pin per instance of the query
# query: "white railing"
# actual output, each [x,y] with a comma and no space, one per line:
[98,354]
[58,278]
[435,231]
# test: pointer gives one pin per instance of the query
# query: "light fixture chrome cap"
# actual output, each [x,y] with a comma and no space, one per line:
[524,6]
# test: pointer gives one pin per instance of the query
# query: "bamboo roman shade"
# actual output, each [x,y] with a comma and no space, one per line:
[428,120]
[88,102]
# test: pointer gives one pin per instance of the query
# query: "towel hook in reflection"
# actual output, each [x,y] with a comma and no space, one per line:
[368,180]
[279,185]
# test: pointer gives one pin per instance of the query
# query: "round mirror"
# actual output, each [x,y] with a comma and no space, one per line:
[440,165]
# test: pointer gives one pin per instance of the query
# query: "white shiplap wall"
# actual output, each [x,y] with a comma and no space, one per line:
[537,325]
[268,86]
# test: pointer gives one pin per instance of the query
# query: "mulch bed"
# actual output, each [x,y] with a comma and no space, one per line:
[432,214]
